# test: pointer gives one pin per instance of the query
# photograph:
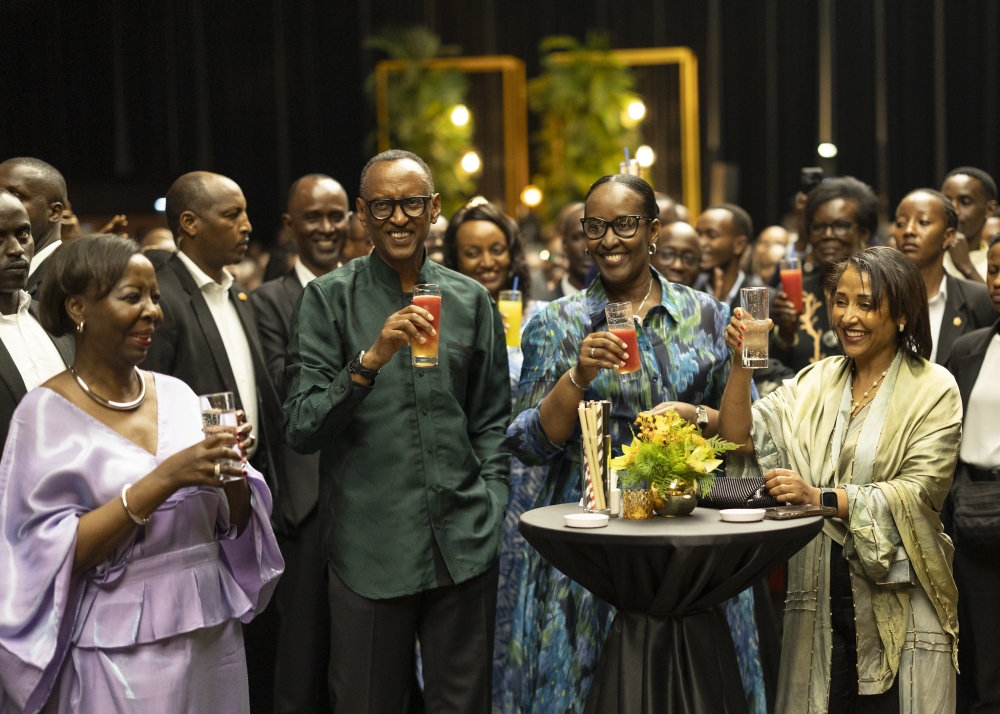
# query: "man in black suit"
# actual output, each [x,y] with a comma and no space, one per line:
[924,229]
[29,356]
[209,340]
[42,190]
[975,362]
[318,219]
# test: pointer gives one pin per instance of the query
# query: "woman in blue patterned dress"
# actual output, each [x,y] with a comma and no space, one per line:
[557,627]
[485,244]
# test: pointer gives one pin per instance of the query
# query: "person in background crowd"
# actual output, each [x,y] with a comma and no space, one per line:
[725,232]
[974,193]
[318,217]
[770,248]
[486,245]
[158,239]
[678,254]
[574,248]
[975,363]
[70,226]
[393,436]
[209,340]
[924,229]
[359,243]
[128,563]
[558,627]
[29,356]
[683,214]
[435,240]
[841,214]
[860,635]
[42,190]
[668,209]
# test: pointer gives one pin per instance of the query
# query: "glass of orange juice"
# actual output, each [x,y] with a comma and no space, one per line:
[425,354]
[511,308]
[622,326]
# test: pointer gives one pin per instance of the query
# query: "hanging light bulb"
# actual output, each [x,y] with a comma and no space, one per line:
[645,156]
[460,115]
[471,162]
[827,150]
[636,110]
[531,196]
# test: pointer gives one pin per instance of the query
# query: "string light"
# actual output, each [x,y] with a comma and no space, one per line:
[471,162]
[645,156]
[531,196]
[636,110]
[827,150]
[460,115]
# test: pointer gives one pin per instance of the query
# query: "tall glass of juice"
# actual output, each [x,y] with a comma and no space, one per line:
[511,308]
[791,281]
[622,326]
[425,354]
[755,332]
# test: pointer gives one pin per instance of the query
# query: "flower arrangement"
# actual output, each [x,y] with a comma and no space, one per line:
[667,452]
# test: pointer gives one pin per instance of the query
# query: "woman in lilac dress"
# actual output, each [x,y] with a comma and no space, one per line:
[127,565]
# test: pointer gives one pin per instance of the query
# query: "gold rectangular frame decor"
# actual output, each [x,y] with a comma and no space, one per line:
[687,63]
[515,110]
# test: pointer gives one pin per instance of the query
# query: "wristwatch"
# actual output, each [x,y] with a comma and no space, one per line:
[828,498]
[702,413]
[357,367]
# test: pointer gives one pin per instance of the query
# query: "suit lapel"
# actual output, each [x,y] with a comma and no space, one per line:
[208,327]
[971,363]
[293,289]
[10,375]
[951,329]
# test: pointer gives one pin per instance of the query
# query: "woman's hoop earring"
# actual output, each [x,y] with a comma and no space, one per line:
[79,328]
[652,249]
[901,326]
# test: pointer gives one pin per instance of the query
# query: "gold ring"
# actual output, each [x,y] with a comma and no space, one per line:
[218,471]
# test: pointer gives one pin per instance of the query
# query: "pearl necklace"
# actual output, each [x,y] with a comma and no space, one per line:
[857,404]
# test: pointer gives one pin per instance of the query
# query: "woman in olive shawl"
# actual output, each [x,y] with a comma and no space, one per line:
[880,429]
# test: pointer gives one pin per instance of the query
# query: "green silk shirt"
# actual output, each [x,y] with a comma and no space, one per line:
[416,457]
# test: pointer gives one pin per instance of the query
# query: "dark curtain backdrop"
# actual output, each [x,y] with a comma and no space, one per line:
[124,95]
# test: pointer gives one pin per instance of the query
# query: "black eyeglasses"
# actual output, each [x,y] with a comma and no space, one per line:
[382,208]
[669,255]
[623,226]
[840,228]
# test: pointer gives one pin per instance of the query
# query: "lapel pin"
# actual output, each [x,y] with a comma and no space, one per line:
[243,297]
[957,322]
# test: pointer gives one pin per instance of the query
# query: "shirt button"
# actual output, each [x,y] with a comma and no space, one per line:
[430,450]
[437,526]
[420,374]
[424,412]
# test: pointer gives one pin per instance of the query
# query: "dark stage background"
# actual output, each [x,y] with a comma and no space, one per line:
[123,96]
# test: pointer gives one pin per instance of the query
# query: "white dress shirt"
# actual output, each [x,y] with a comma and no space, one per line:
[305,275]
[980,436]
[30,346]
[233,337]
[567,287]
[935,308]
[41,255]
[978,258]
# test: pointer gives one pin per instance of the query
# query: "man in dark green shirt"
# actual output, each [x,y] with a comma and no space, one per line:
[413,477]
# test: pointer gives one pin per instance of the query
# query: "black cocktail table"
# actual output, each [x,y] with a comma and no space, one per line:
[669,648]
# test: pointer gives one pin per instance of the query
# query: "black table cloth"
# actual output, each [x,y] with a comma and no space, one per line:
[669,648]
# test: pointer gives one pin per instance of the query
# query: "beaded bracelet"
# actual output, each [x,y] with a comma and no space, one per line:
[570,373]
[135,519]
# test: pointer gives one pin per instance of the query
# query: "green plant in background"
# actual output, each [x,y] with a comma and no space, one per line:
[582,98]
[421,102]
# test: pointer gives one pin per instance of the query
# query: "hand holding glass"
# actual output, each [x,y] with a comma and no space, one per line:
[219,416]
[428,297]
[622,326]
[755,327]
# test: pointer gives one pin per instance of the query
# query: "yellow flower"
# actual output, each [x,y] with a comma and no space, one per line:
[701,460]
[627,457]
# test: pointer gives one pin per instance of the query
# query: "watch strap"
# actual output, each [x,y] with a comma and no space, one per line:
[828,498]
[358,367]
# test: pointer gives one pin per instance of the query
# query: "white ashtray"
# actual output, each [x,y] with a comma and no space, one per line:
[742,515]
[588,520]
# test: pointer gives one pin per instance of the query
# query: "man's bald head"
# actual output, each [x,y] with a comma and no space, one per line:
[208,214]
[304,186]
[41,189]
[668,208]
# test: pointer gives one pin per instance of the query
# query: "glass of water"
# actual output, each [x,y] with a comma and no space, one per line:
[218,416]
[755,332]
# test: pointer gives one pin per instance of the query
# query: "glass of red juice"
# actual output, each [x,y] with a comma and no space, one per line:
[622,326]
[791,281]
[425,354]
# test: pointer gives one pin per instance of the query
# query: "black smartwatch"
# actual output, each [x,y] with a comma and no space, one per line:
[828,498]
[357,367]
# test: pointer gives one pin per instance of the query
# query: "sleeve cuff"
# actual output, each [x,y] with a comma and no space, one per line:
[526,439]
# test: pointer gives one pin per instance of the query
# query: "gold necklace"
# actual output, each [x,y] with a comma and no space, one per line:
[857,405]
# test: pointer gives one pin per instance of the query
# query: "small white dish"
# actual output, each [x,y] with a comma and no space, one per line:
[586,520]
[742,515]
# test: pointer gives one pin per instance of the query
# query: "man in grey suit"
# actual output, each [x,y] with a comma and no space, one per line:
[318,218]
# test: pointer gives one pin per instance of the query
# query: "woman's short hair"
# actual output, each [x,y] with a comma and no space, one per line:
[637,184]
[894,277]
[91,262]
[479,209]
[950,214]
[849,189]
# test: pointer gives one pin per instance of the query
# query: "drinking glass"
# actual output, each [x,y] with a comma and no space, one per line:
[425,354]
[218,416]
[511,308]
[622,326]
[791,281]
[754,327]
